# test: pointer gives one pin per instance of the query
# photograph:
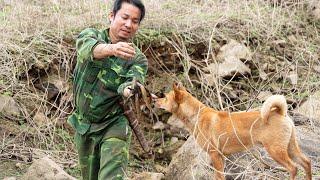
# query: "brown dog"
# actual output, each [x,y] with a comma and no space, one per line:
[222,133]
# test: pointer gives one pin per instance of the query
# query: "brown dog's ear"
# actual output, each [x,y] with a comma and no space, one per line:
[178,86]
[178,95]
[175,86]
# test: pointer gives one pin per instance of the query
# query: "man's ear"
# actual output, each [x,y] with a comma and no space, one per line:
[111,17]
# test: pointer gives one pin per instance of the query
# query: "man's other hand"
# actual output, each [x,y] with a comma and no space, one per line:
[123,50]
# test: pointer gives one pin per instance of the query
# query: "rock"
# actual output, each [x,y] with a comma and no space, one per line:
[158,126]
[229,68]
[263,95]
[314,6]
[189,163]
[40,119]
[46,169]
[316,13]
[263,75]
[18,165]
[148,176]
[234,49]
[160,168]
[316,68]
[8,106]
[174,140]
[229,62]
[311,107]
[302,120]
[160,151]
[50,89]
[58,82]
[309,142]
[293,78]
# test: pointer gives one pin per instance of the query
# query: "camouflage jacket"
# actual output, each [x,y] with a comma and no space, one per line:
[98,84]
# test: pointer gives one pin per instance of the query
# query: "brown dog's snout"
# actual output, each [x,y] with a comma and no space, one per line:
[154,99]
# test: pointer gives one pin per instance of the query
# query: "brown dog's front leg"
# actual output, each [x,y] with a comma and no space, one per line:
[218,165]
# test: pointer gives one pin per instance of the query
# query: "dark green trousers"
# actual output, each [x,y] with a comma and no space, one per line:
[104,154]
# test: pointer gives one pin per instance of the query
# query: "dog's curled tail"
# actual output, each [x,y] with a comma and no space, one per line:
[276,101]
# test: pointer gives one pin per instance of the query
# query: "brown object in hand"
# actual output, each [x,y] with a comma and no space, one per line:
[131,107]
[134,123]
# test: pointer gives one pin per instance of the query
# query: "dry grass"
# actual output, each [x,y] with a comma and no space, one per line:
[37,40]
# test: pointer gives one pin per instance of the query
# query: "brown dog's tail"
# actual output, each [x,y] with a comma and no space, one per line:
[276,101]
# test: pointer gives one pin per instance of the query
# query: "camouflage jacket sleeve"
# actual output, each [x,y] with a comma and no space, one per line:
[138,70]
[86,42]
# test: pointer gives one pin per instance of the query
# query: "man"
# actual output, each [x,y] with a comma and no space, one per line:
[106,64]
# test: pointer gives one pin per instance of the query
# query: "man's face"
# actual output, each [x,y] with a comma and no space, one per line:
[125,22]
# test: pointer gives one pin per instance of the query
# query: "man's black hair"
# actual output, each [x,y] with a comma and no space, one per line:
[117,6]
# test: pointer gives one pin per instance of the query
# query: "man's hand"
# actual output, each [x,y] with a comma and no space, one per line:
[123,50]
[120,49]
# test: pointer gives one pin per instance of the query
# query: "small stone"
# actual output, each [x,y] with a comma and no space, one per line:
[8,106]
[174,140]
[230,67]
[18,165]
[234,49]
[160,151]
[293,78]
[311,107]
[46,168]
[160,168]
[315,9]
[316,68]
[264,95]
[40,119]
[263,75]
[158,126]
